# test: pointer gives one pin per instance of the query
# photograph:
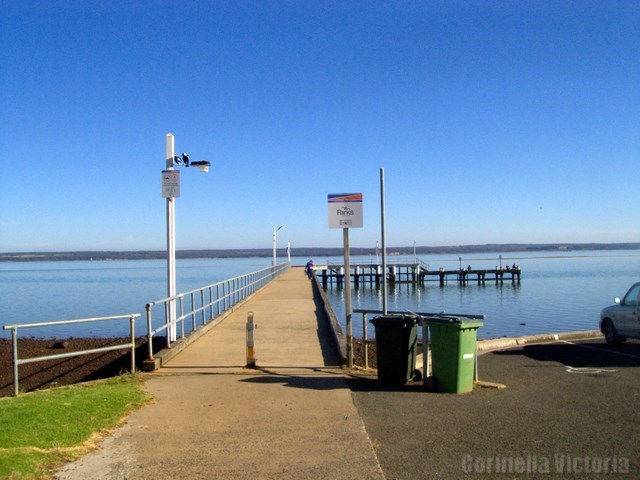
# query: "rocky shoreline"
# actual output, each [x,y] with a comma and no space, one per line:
[65,371]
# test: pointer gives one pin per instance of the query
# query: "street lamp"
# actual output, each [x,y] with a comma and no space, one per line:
[170,191]
[274,242]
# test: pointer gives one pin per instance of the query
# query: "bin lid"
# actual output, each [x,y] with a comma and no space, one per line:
[471,324]
[459,322]
[444,319]
[384,320]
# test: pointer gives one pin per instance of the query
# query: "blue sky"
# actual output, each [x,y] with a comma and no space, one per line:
[495,122]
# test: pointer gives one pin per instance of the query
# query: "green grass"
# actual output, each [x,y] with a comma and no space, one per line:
[42,430]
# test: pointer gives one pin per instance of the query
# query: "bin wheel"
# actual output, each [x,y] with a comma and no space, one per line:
[430,383]
[417,375]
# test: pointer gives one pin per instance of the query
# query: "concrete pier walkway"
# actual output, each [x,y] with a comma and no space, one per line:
[292,417]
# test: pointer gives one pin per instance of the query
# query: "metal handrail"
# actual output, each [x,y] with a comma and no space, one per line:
[422,314]
[215,298]
[20,361]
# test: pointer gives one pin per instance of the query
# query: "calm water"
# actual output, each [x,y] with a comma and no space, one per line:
[48,291]
[555,294]
[563,293]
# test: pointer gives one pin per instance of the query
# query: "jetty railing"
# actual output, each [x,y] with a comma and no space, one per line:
[17,361]
[196,308]
[403,260]
[400,269]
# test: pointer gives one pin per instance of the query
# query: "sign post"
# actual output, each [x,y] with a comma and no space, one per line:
[345,211]
[384,244]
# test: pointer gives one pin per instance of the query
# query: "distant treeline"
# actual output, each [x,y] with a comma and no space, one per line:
[311,252]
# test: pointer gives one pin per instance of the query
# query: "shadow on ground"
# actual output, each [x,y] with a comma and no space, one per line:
[313,381]
[581,354]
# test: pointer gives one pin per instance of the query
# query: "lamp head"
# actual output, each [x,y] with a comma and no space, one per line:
[203,165]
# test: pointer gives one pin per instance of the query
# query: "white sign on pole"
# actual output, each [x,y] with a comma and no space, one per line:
[170,183]
[345,210]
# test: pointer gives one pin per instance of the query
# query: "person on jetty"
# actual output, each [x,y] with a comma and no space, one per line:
[308,269]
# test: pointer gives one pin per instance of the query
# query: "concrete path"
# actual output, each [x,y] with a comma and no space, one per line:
[294,417]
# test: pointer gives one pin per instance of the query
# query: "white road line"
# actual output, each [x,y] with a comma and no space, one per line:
[602,350]
[587,370]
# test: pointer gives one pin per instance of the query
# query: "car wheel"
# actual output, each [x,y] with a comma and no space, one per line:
[610,333]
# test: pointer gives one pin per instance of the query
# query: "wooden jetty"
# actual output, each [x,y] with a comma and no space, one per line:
[415,271]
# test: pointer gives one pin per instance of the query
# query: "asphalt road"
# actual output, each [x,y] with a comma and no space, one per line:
[569,410]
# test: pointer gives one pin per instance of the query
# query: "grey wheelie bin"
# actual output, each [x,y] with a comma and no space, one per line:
[453,353]
[396,340]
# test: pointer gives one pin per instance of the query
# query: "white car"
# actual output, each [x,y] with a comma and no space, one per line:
[621,321]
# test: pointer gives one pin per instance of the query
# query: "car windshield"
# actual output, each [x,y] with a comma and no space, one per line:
[631,298]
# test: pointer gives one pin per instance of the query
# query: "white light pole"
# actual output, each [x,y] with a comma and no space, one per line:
[171,190]
[289,251]
[415,258]
[171,241]
[274,242]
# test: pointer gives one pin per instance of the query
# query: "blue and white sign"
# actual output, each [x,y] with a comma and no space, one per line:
[345,210]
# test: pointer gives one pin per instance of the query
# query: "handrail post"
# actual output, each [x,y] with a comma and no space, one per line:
[365,340]
[14,341]
[193,311]
[224,296]
[166,321]
[210,302]
[218,299]
[132,329]
[204,313]
[149,334]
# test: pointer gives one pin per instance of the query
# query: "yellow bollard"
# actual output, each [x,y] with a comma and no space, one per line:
[251,360]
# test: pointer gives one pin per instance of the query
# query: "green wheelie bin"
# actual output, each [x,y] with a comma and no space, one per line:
[396,340]
[453,353]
